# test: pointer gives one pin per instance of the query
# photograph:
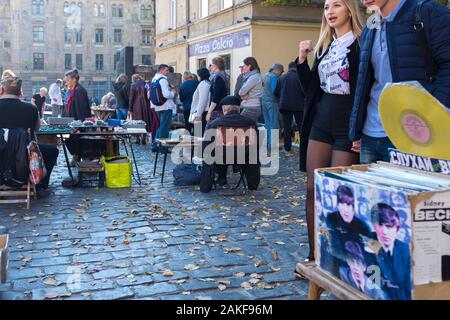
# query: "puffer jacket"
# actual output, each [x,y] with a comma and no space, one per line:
[406,58]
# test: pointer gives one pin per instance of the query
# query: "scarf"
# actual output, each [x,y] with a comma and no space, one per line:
[249,74]
[69,99]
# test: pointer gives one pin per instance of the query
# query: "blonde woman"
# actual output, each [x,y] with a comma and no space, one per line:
[330,88]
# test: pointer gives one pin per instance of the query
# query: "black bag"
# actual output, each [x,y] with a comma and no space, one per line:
[186,175]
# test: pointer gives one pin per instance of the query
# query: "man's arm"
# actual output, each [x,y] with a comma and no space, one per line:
[166,91]
[248,85]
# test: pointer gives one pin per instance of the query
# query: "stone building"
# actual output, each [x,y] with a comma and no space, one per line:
[42,39]
[189,33]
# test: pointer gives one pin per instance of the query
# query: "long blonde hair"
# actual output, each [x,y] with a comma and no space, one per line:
[327,33]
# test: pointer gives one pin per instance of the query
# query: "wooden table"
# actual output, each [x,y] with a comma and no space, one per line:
[123,136]
[167,143]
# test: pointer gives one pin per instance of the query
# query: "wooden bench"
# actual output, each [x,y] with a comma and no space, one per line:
[22,195]
[320,281]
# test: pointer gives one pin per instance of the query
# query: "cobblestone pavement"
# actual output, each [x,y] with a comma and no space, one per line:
[160,242]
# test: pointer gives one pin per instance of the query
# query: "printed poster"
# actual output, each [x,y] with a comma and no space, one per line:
[432,239]
[364,237]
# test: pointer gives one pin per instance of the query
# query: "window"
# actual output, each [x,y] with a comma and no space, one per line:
[173,14]
[68,61]
[37,85]
[227,4]
[204,8]
[146,59]
[146,36]
[100,89]
[79,35]
[96,10]
[116,60]
[99,62]
[146,12]
[38,34]
[117,36]
[38,61]
[67,35]
[201,63]
[227,59]
[117,11]
[79,61]
[37,7]
[99,35]
[66,8]
[101,10]
[7,44]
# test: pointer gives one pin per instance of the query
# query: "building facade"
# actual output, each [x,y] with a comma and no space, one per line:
[42,39]
[189,33]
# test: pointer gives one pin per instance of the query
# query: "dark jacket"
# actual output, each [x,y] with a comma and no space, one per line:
[187,90]
[310,81]
[122,94]
[238,86]
[79,107]
[290,92]
[14,163]
[396,280]
[218,91]
[406,59]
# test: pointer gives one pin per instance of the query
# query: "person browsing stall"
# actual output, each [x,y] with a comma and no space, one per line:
[330,89]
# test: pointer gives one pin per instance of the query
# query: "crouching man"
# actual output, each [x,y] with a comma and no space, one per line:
[235,143]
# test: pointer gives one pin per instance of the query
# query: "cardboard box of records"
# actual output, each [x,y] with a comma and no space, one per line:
[384,228]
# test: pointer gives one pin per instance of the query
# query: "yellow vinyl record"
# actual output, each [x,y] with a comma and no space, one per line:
[415,121]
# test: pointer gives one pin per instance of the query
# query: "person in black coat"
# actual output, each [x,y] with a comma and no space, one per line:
[78,107]
[122,93]
[78,104]
[330,88]
[290,91]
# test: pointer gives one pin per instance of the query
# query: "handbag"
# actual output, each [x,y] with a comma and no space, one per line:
[37,165]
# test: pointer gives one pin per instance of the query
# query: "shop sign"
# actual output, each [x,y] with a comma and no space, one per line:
[230,41]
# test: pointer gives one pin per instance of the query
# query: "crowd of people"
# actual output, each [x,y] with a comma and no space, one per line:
[334,100]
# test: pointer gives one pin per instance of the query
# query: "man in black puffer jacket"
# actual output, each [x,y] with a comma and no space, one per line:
[391,52]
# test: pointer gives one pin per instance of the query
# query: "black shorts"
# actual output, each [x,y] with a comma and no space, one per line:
[331,121]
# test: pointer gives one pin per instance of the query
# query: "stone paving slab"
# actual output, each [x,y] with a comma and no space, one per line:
[159,241]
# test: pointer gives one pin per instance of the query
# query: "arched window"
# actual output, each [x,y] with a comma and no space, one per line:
[102,10]
[66,8]
[37,7]
[96,12]
[120,11]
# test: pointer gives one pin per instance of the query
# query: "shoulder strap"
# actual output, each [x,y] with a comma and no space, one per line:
[423,42]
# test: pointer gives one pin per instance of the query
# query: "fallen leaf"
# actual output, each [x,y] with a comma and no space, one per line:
[276,269]
[222,287]
[261,285]
[261,263]
[122,265]
[275,255]
[239,275]
[52,282]
[51,295]
[168,273]
[246,285]
[191,267]
[232,249]
[281,243]
[186,293]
